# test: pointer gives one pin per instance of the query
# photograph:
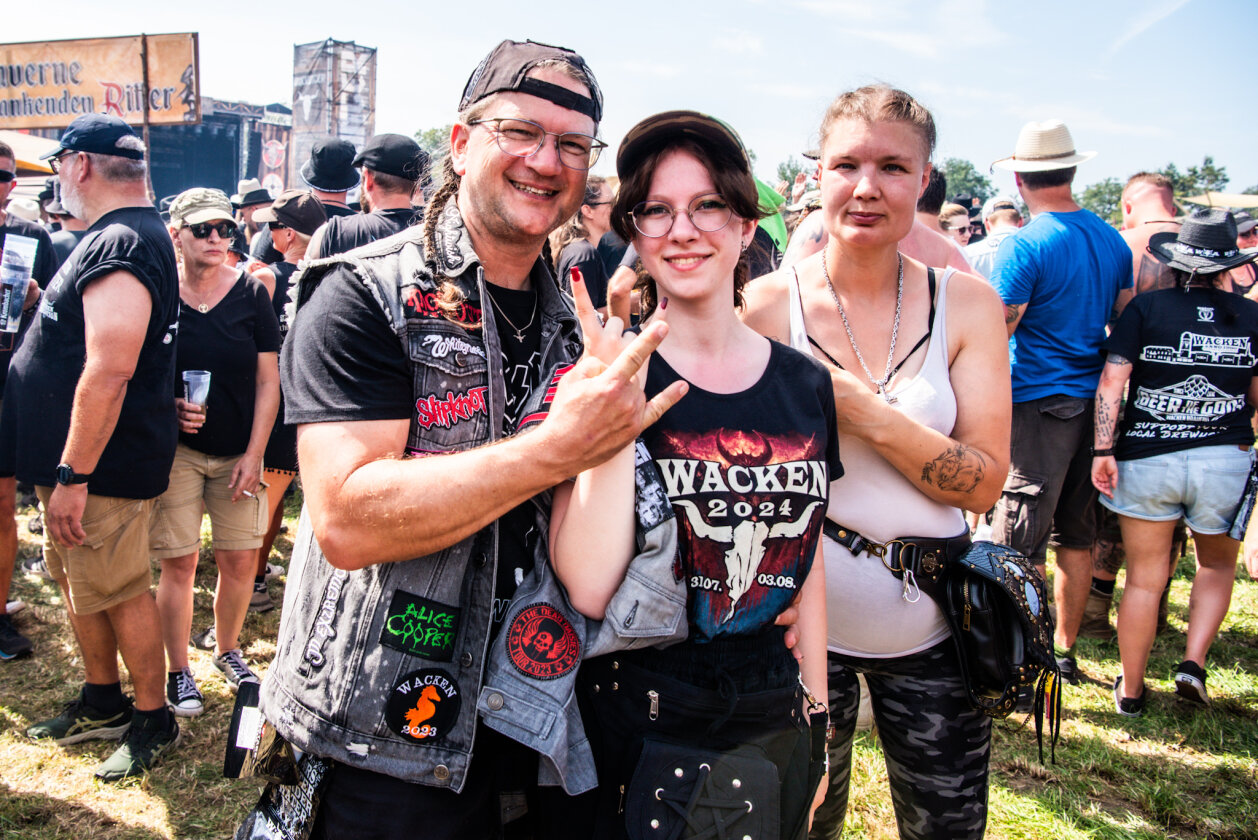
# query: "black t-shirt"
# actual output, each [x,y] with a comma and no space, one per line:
[749,477]
[64,242]
[344,233]
[611,248]
[283,272]
[226,341]
[584,256]
[45,371]
[1192,356]
[517,536]
[46,264]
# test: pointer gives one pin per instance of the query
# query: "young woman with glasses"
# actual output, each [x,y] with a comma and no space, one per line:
[228,328]
[713,731]
[920,370]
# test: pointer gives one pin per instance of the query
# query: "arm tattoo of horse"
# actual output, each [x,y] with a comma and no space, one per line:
[958,468]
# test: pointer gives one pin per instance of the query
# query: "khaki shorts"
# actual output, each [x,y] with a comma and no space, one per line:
[112,565]
[198,484]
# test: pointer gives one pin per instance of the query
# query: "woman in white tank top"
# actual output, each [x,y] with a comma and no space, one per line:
[919,364]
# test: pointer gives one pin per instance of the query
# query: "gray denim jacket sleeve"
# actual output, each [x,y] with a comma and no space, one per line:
[531,698]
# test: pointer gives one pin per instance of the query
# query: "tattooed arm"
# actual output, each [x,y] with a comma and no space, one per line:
[967,467]
[1109,395]
[1013,315]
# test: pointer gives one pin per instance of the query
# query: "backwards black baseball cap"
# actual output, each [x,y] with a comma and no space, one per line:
[506,69]
[394,154]
[98,134]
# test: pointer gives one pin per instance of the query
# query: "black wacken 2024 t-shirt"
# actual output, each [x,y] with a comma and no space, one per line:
[39,394]
[1192,356]
[749,476]
[226,341]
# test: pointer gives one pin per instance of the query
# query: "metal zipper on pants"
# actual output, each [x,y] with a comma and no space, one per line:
[654,697]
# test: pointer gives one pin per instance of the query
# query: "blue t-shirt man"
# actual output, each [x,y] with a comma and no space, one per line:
[1067,268]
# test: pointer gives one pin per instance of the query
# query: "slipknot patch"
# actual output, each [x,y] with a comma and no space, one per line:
[453,408]
[542,644]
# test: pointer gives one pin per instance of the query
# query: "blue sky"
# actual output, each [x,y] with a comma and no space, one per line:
[1142,82]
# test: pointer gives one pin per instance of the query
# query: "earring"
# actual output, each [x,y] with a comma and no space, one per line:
[746,245]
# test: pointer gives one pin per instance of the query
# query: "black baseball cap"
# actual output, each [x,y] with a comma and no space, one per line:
[394,154]
[98,134]
[506,69]
[657,131]
[297,209]
[1244,222]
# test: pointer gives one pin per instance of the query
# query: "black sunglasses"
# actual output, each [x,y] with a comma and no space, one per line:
[6,176]
[276,226]
[202,230]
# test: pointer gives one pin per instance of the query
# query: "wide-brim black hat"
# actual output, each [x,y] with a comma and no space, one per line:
[1205,244]
[331,165]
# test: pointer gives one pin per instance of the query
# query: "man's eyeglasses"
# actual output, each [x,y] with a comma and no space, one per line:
[522,138]
[202,230]
[54,162]
[708,213]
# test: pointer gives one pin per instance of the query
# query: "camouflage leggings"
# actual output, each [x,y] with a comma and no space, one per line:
[935,745]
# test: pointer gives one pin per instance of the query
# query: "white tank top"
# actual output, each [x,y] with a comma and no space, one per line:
[866,614]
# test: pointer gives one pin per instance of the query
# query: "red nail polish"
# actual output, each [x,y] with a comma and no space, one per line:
[575,274]
[664,303]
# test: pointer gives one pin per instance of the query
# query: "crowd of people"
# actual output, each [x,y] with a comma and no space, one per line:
[603,478]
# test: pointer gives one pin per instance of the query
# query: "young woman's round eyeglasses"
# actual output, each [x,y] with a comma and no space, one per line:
[708,213]
[522,138]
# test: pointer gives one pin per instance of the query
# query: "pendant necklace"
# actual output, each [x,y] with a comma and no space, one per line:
[519,331]
[880,384]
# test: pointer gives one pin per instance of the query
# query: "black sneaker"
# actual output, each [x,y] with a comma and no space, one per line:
[80,722]
[37,568]
[182,695]
[146,742]
[13,644]
[1128,706]
[1068,667]
[1190,683]
[235,669]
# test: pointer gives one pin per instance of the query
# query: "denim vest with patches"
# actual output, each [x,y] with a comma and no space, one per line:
[388,667]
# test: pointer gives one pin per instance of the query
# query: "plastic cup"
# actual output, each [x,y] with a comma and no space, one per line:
[196,386]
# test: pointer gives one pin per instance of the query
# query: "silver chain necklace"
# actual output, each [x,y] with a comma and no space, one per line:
[519,331]
[880,384]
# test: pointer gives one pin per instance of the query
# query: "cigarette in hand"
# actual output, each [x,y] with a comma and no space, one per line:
[247,493]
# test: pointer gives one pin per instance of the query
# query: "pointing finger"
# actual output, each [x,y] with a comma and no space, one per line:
[633,357]
[663,401]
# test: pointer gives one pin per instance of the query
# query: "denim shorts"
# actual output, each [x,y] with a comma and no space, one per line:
[1203,485]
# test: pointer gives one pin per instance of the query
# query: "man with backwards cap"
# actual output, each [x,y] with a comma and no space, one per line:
[89,419]
[437,382]
[394,169]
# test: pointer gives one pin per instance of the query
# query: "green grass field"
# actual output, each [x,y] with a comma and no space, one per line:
[1176,772]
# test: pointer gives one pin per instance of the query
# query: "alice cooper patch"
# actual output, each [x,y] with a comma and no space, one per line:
[424,705]
[420,627]
[541,643]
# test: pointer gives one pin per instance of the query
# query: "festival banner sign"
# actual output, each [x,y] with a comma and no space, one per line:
[150,79]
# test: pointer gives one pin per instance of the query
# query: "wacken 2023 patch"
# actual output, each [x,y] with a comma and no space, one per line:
[424,705]
[541,643]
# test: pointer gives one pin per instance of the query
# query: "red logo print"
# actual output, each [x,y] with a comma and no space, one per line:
[453,408]
[542,644]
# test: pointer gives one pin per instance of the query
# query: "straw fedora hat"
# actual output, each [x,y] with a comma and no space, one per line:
[1042,147]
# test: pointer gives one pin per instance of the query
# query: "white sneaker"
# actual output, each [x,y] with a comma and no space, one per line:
[14,607]
[274,570]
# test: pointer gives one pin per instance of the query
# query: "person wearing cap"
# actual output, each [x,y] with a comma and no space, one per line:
[250,196]
[394,168]
[689,204]
[89,420]
[918,365]
[1062,277]
[292,220]
[1243,280]
[330,174]
[1001,218]
[439,392]
[227,327]
[1186,356]
[12,643]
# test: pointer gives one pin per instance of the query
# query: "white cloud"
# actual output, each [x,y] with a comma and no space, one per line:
[1084,122]
[954,25]
[739,43]
[1152,16]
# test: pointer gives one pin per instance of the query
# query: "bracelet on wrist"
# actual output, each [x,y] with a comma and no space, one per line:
[1101,453]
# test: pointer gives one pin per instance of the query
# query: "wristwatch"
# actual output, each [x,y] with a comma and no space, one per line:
[67,475]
